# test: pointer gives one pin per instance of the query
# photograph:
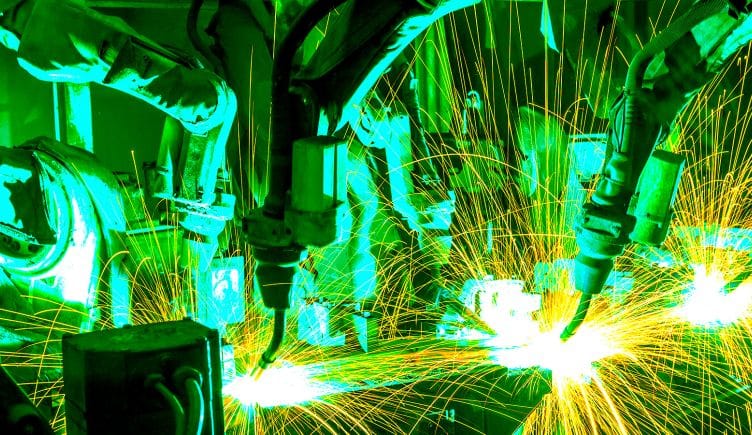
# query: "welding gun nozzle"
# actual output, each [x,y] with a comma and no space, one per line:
[567,333]
[257,372]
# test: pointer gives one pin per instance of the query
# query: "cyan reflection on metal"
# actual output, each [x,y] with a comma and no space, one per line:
[714,236]
[589,151]
[221,293]
[504,306]
[56,262]
[73,115]
[501,305]
[710,236]
[366,329]
[315,325]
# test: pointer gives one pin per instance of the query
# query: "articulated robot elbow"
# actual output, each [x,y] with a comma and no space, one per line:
[89,47]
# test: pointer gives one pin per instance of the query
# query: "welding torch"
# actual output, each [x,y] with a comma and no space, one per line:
[306,207]
[294,213]
[620,210]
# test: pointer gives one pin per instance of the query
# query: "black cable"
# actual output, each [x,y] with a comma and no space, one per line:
[175,405]
[191,26]
[670,35]
[280,148]
[698,13]
[579,317]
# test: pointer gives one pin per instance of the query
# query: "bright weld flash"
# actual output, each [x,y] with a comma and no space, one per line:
[572,360]
[279,386]
[706,303]
[520,344]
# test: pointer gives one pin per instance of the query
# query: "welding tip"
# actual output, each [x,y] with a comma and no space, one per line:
[568,332]
[579,317]
[257,372]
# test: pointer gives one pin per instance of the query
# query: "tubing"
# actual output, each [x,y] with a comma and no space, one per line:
[177,408]
[280,148]
[195,415]
[193,36]
[698,13]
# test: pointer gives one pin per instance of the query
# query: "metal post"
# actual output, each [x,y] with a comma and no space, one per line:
[73,117]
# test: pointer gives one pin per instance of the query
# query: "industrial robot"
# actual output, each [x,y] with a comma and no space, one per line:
[634,194]
[320,88]
[65,216]
[67,234]
[82,219]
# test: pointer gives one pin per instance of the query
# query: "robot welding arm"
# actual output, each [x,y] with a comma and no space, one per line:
[364,41]
[65,41]
[615,214]
[348,64]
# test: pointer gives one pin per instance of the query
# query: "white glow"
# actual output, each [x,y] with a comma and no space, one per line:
[279,386]
[505,307]
[572,360]
[707,304]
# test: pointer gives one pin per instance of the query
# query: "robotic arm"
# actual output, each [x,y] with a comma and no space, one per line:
[67,41]
[312,101]
[619,210]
